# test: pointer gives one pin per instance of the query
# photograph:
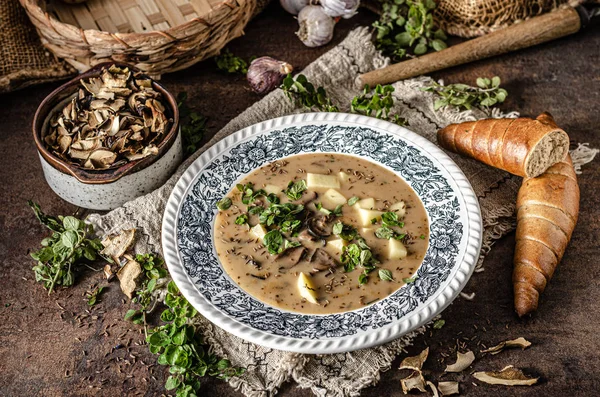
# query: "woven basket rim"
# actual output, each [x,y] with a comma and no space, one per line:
[33,7]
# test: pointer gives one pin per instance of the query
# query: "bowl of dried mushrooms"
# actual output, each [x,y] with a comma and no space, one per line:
[108,136]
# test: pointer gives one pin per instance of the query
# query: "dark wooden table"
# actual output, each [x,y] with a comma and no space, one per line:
[44,350]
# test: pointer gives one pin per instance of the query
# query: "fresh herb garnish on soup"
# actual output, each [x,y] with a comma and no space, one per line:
[321,233]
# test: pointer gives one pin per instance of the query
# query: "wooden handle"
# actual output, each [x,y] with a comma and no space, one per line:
[547,27]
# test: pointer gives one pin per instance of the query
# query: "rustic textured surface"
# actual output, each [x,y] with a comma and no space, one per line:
[38,347]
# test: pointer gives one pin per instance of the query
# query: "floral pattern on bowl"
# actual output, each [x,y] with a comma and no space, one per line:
[455,231]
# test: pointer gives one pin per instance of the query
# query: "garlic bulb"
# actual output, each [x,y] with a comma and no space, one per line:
[266,73]
[340,8]
[316,27]
[293,6]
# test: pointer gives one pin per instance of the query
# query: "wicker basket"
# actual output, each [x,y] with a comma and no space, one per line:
[157,36]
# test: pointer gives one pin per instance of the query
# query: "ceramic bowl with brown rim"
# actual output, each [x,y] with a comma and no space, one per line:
[109,188]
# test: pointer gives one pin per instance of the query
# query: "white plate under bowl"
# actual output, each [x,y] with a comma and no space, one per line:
[451,205]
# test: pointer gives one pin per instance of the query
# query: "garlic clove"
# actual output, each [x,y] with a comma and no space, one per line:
[266,73]
[316,27]
[293,6]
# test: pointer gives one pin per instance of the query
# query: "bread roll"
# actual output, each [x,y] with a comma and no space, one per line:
[547,210]
[523,146]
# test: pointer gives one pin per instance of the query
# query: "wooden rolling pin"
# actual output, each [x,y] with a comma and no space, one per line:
[547,27]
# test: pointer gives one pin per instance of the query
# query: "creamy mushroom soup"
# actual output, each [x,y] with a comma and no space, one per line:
[321,233]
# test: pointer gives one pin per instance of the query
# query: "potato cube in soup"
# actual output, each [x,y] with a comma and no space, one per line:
[272,189]
[397,250]
[307,288]
[336,246]
[320,181]
[343,176]
[368,203]
[258,231]
[334,198]
[365,216]
[399,208]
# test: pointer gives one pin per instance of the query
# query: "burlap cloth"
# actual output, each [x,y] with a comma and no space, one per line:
[337,374]
[23,59]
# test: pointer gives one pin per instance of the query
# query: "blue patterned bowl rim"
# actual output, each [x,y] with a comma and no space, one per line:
[450,202]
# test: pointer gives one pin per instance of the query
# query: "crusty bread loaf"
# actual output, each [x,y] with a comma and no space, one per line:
[523,146]
[547,211]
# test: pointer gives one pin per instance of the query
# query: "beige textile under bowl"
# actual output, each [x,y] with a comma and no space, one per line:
[108,188]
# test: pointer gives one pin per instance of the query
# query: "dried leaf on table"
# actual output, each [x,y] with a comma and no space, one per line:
[463,361]
[508,376]
[415,362]
[519,342]
[448,388]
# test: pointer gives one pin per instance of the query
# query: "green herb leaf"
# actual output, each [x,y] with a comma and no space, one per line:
[362,279]
[487,93]
[439,324]
[224,204]
[353,200]
[386,275]
[384,232]
[273,240]
[295,189]
[94,295]
[410,280]
[391,219]
[193,125]
[345,232]
[241,219]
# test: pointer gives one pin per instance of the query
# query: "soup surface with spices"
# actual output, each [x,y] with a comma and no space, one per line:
[321,233]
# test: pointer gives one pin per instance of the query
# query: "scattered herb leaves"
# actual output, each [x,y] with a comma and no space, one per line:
[227,62]
[380,102]
[391,219]
[302,91]
[69,244]
[486,94]
[193,125]
[406,28]
[180,347]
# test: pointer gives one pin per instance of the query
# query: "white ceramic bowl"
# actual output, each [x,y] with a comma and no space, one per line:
[111,188]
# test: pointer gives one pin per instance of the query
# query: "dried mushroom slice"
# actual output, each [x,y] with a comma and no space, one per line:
[508,376]
[415,362]
[115,118]
[128,276]
[115,247]
[463,361]
[519,342]
[448,388]
[412,382]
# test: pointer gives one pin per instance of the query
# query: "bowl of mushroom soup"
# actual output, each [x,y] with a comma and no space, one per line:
[107,136]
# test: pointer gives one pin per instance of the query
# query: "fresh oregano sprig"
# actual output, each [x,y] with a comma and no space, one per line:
[179,346]
[70,244]
[302,91]
[486,94]
[230,63]
[377,103]
[193,125]
[406,28]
